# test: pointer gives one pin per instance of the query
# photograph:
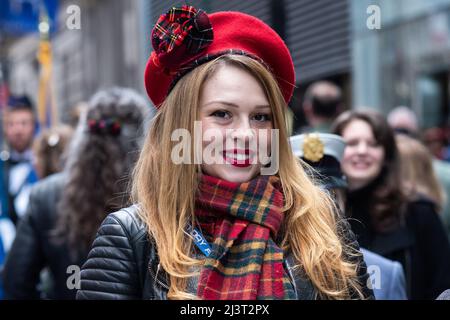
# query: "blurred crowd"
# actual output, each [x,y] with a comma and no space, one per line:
[392,181]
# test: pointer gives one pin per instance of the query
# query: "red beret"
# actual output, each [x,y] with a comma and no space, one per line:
[186,37]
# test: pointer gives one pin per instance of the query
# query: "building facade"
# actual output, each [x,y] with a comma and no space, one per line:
[406,61]
[104,51]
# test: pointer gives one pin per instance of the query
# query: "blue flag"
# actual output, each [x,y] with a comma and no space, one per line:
[22,16]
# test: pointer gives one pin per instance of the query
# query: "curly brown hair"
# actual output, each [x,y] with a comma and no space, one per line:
[99,164]
[387,201]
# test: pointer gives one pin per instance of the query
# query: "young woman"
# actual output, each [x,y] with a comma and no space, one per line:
[66,209]
[384,218]
[221,229]
[417,172]
[49,150]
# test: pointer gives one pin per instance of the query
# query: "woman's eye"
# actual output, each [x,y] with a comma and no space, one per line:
[352,143]
[373,144]
[262,117]
[221,114]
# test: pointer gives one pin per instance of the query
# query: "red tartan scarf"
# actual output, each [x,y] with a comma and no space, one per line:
[242,219]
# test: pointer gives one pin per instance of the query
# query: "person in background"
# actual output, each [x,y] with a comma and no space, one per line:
[384,219]
[425,176]
[435,139]
[16,162]
[322,103]
[66,208]
[17,174]
[446,152]
[49,149]
[403,120]
[75,112]
[442,170]
[322,154]
[417,174]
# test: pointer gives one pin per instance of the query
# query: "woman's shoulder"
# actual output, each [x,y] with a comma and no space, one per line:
[128,221]
[116,267]
[422,214]
[43,199]
[421,207]
[122,236]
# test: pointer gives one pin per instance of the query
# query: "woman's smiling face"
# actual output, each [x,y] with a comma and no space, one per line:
[234,106]
[363,156]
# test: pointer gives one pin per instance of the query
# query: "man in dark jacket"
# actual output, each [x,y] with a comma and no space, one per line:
[16,169]
[16,162]
[35,247]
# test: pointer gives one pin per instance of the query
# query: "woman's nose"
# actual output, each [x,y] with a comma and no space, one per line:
[242,134]
[362,148]
[242,131]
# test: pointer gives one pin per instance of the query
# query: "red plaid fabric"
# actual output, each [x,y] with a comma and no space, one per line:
[242,220]
[180,34]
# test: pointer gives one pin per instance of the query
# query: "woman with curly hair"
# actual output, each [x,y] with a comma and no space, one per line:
[215,220]
[49,150]
[387,218]
[66,209]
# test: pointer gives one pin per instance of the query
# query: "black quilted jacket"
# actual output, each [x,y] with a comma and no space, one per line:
[123,264]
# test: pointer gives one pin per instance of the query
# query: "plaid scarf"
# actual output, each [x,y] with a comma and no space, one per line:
[242,220]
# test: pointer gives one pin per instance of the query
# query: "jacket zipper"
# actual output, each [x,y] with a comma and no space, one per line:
[291,278]
[155,277]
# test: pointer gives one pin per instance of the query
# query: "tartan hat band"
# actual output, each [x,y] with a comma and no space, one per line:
[186,37]
[179,35]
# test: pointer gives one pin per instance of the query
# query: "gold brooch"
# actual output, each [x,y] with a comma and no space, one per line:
[313,148]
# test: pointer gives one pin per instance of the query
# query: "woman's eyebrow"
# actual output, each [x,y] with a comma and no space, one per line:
[222,102]
[230,104]
[262,106]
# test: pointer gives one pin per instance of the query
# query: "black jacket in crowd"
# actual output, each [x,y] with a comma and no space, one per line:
[123,264]
[420,244]
[8,207]
[34,248]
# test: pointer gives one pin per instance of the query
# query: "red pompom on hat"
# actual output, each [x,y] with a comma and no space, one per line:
[186,37]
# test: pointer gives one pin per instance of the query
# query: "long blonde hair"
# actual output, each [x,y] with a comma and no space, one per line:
[166,192]
[417,171]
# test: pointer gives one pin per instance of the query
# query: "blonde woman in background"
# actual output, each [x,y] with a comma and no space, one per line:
[418,176]
[49,150]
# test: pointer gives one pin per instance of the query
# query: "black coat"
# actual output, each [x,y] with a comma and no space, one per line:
[34,247]
[420,244]
[8,207]
[123,264]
